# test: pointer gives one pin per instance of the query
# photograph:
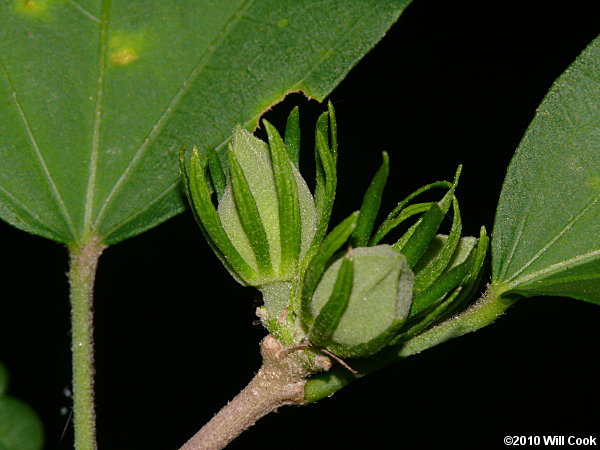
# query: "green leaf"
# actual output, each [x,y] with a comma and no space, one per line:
[97,97]
[370,204]
[20,428]
[546,238]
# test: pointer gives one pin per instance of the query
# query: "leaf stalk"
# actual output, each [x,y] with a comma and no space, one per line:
[83,264]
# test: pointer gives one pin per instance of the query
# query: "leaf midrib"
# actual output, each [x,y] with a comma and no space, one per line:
[93,165]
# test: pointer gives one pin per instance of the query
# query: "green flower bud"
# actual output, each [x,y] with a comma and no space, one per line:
[285,240]
[266,219]
[361,301]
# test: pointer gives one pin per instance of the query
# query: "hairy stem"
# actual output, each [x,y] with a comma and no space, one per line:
[83,264]
[482,313]
[280,381]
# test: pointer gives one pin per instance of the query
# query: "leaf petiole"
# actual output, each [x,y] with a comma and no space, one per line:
[83,264]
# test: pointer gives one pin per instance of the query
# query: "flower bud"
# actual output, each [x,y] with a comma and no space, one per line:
[376,302]
[274,251]
[266,219]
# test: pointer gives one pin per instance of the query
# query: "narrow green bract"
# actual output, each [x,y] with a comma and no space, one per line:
[370,205]
[292,137]
[252,159]
[288,201]
[437,265]
[197,190]
[332,312]
[249,218]
[314,272]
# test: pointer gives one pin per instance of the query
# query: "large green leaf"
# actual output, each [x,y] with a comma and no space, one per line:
[547,233]
[20,428]
[96,97]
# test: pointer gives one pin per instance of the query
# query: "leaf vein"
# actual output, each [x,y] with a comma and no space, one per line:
[84,11]
[53,188]
[514,247]
[550,243]
[327,55]
[163,119]
[577,260]
[32,214]
[149,205]
[566,113]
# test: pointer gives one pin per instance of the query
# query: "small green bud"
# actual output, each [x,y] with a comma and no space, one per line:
[254,159]
[379,302]
[266,216]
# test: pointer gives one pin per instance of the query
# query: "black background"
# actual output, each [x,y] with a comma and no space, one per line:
[452,82]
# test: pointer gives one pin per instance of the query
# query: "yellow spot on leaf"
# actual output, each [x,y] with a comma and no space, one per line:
[34,8]
[283,23]
[594,182]
[123,57]
[125,47]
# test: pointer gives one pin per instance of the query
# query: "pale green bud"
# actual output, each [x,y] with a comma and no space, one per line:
[254,158]
[378,304]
